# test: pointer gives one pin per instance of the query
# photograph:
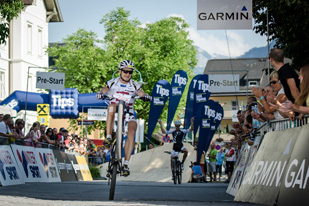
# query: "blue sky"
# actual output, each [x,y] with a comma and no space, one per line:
[87,14]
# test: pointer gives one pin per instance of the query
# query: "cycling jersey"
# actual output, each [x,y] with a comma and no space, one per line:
[178,137]
[130,88]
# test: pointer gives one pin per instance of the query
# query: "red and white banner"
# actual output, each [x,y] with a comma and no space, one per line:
[9,171]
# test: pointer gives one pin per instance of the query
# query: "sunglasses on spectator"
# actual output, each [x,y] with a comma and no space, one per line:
[126,71]
[273,82]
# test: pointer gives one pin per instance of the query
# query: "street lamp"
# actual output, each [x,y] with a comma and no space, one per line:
[26,104]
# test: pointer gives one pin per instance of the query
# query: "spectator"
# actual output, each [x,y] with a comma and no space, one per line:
[287,76]
[196,174]
[5,131]
[150,146]
[230,160]
[304,94]
[19,126]
[33,134]
[49,136]
[203,165]
[219,157]
[1,117]
[212,162]
[61,138]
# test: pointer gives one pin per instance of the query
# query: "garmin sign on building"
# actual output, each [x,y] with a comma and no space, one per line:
[224,14]
[224,83]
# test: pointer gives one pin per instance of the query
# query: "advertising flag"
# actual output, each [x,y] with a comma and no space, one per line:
[160,94]
[190,99]
[178,86]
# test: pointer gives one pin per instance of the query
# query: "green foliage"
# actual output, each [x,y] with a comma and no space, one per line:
[95,172]
[288,26]
[8,10]
[158,50]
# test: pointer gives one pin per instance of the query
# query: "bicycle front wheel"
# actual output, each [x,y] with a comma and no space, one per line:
[174,171]
[179,173]
[119,130]
[113,181]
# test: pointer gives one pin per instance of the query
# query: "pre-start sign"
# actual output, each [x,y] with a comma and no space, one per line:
[49,80]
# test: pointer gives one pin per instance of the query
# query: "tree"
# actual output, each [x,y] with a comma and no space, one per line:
[288,26]
[8,10]
[158,50]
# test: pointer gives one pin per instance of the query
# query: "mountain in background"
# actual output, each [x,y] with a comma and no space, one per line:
[203,56]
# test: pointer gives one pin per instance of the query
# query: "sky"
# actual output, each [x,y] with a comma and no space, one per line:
[87,15]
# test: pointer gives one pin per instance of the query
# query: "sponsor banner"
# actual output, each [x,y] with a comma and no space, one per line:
[48,161]
[262,181]
[83,166]
[76,168]
[85,122]
[224,14]
[201,95]
[97,114]
[65,167]
[160,94]
[9,171]
[50,80]
[190,100]
[210,119]
[64,103]
[294,188]
[30,166]
[234,116]
[224,83]
[238,173]
[178,86]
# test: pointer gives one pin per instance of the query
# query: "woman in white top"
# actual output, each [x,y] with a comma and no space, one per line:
[34,133]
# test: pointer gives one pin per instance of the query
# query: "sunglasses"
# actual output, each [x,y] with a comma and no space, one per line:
[273,82]
[126,71]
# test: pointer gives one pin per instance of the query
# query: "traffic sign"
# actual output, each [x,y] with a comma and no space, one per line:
[86,122]
[166,138]
[42,109]
[218,147]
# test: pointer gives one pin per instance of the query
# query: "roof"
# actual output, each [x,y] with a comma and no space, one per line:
[53,11]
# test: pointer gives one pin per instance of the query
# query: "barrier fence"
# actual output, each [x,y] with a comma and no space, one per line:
[274,170]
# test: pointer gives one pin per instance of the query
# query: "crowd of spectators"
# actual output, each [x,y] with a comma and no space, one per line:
[42,137]
[286,96]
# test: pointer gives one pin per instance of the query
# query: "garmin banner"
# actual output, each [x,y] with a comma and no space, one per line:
[212,114]
[9,171]
[178,86]
[201,95]
[190,99]
[224,14]
[160,94]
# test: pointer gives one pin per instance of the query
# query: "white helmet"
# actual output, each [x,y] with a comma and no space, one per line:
[126,64]
[177,123]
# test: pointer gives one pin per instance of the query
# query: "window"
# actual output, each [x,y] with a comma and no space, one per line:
[253,83]
[233,105]
[40,43]
[2,83]
[29,38]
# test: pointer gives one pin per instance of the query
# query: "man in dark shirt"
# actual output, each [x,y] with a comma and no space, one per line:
[287,76]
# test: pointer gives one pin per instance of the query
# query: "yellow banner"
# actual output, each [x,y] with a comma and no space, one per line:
[42,109]
[83,166]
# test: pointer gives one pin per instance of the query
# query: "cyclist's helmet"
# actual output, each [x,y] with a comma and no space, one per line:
[177,123]
[126,64]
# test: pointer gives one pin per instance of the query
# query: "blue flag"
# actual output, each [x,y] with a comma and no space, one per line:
[178,85]
[212,114]
[201,95]
[160,94]
[189,104]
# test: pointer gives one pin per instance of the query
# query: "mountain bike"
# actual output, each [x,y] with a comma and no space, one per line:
[176,168]
[121,119]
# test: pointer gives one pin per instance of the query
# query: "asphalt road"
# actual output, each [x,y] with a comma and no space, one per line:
[127,193]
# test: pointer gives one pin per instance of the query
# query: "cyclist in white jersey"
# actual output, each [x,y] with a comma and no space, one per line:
[126,86]
[178,137]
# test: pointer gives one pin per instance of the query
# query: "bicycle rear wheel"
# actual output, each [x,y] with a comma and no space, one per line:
[174,171]
[119,130]
[179,173]
[113,181]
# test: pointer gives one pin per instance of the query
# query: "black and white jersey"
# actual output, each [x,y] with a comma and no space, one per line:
[178,136]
